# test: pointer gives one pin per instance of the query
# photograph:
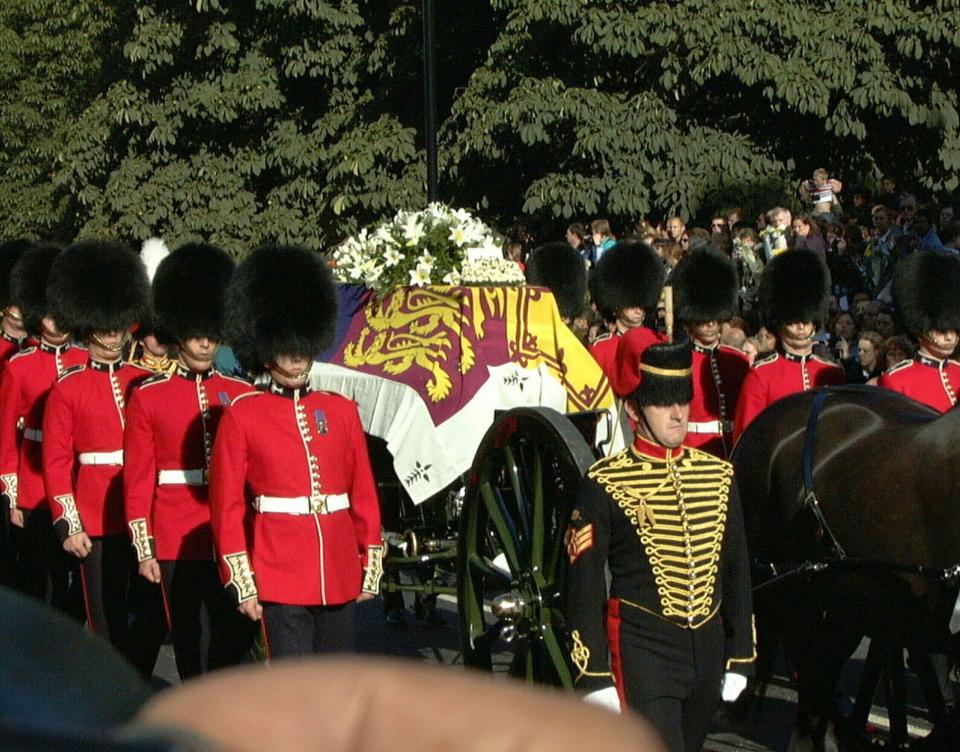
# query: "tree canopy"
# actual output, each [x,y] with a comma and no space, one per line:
[618,107]
[300,120]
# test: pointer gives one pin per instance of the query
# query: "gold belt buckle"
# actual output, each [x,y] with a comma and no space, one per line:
[318,504]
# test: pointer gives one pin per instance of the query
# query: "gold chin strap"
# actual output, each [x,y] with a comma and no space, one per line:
[10,314]
[288,375]
[111,348]
[674,372]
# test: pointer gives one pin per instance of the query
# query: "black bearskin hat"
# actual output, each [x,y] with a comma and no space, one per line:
[281,300]
[666,375]
[795,286]
[629,275]
[98,286]
[560,268]
[28,285]
[10,253]
[188,292]
[705,286]
[926,290]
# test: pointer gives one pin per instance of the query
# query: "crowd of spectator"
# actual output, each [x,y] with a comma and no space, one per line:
[861,244]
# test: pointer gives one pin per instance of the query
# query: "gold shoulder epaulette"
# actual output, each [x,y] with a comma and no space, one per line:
[71,371]
[620,459]
[706,459]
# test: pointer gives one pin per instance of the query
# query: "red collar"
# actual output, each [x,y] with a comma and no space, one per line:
[647,448]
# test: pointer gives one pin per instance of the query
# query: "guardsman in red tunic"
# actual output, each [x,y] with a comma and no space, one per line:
[926,289]
[43,569]
[13,334]
[793,297]
[171,423]
[98,290]
[12,339]
[674,633]
[705,286]
[626,284]
[293,503]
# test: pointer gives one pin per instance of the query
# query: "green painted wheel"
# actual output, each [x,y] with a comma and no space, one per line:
[520,491]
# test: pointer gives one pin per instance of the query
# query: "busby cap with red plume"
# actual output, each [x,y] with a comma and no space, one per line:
[282,300]
[98,286]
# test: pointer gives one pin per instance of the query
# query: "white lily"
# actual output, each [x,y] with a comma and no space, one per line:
[393,256]
[413,231]
[420,276]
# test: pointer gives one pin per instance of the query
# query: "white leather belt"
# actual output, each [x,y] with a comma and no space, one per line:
[196,477]
[101,458]
[324,504]
[34,434]
[710,426]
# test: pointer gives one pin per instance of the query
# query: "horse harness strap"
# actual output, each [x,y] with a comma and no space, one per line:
[809,496]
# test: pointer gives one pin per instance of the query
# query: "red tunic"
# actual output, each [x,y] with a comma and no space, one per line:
[24,387]
[933,382]
[171,422]
[9,346]
[291,443]
[718,374]
[82,427]
[619,356]
[604,351]
[779,375]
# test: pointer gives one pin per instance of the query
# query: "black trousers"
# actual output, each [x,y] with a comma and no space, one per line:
[43,569]
[208,631]
[147,625]
[8,559]
[105,576]
[669,674]
[307,630]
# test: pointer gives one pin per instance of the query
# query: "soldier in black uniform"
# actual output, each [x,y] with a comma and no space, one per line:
[676,627]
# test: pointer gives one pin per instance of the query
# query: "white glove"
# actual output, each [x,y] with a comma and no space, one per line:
[606,698]
[732,686]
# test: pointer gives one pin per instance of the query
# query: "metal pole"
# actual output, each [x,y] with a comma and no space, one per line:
[430,101]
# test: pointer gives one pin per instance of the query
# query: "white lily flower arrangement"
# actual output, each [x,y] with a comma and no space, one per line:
[436,246]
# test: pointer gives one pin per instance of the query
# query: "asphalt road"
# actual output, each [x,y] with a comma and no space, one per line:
[760,726]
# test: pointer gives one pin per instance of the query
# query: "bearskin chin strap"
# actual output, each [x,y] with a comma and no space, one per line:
[111,348]
[288,375]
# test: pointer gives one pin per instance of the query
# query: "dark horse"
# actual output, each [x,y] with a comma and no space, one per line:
[877,557]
